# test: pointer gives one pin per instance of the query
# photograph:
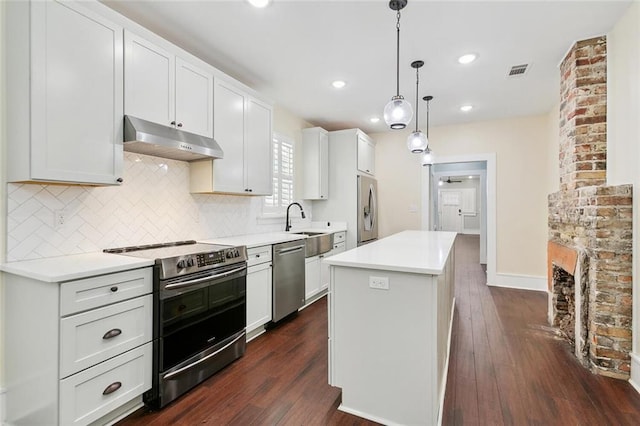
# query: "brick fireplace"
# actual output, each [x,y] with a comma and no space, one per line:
[590,223]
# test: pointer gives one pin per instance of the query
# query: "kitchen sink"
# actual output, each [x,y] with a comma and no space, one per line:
[316,243]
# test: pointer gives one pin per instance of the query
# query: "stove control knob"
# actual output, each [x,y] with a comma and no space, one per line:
[236,253]
[182,264]
[229,254]
[190,262]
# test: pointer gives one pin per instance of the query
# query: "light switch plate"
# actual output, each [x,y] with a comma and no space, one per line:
[380,283]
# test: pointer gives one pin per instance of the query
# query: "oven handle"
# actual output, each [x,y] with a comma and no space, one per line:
[201,360]
[207,278]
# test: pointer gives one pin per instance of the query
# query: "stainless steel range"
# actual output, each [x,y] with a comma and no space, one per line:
[199,313]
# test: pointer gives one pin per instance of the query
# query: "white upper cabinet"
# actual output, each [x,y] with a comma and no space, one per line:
[164,88]
[315,146]
[243,128]
[64,89]
[366,154]
[194,99]
[258,150]
[149,81]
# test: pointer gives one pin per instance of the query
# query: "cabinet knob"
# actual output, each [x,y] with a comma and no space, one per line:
[113,289]
[173,123]
[179,124]
[119,180]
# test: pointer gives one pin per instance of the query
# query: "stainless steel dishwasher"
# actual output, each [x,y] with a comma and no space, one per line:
[288,278]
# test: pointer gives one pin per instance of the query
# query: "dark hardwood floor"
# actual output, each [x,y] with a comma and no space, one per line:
[507,367]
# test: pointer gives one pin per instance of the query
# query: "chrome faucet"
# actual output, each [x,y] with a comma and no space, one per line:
[288,225]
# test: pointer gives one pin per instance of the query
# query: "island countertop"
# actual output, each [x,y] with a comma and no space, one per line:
[420,252]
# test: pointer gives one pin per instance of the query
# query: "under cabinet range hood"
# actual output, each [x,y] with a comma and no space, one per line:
[145,137]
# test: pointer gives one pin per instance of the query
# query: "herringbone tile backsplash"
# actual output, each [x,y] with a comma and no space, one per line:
[152,205]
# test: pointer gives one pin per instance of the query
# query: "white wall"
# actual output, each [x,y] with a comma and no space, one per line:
[3,197]
[623,139]
[521,147]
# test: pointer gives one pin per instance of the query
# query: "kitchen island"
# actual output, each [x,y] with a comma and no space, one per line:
[390,311]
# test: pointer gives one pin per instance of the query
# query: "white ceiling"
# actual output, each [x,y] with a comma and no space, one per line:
[292,50]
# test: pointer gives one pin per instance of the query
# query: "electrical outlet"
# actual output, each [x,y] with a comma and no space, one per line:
[380,283]
[59,218]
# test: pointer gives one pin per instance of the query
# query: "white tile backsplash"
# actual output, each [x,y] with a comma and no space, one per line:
[152,205]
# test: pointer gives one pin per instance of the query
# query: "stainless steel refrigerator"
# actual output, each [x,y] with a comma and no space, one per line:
[367,210]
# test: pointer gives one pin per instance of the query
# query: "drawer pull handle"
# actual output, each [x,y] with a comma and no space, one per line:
[112,388]
[112,333]
[114,289]
[257,255]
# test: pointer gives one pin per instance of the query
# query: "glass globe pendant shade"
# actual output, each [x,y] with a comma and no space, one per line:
[427,158]
[417,142]
[398,113]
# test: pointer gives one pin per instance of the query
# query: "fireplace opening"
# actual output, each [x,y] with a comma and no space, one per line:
[564,303]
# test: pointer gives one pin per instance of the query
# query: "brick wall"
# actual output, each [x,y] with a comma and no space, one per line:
[589,217]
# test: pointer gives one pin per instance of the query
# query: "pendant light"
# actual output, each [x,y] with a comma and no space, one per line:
[398,112]
[417,142]
[427,158]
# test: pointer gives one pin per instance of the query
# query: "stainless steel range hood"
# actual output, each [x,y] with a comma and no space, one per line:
[145,137]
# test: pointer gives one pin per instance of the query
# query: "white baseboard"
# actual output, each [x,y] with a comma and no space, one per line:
[635,371]
[367,416]
[522,282]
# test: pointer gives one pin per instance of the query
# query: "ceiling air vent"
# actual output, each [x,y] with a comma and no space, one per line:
[518,70]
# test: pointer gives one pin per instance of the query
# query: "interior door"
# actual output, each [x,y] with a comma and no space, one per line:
[450,210]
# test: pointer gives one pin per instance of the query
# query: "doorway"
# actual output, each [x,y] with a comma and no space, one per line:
[479,219]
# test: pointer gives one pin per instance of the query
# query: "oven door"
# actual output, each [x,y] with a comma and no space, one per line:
[202,320]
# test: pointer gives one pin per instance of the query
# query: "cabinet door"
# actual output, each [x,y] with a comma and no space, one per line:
[316,164]
[259,149]
[324,271]
[258,296]
[228,131]
[149,81]
[366,155]
[311,277]
[194,99]
[76,95]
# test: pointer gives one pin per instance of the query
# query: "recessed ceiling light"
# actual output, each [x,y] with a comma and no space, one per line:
[470,177]
[374,119]
[339,84]
[466,108]
[468,58]
[259,3]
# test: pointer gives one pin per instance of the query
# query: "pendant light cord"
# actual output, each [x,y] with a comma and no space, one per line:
[417,104]
[427,120]
[398,54]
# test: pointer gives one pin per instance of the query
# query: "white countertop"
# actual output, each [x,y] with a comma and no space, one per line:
[257,240]
[419,252]
[73,267]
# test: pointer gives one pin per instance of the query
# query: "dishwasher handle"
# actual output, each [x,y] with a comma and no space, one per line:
[289,250]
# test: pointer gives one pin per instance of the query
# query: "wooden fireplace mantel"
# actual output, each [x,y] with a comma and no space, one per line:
[562,256]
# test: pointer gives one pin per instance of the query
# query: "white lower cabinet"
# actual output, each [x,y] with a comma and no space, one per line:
[311,277]
[94,392]
[78,350]
[317,271]
[259,293]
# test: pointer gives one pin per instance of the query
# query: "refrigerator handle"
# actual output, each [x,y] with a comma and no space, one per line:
[372,206]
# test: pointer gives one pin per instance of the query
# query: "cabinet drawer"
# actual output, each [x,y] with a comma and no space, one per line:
[82,295]
[94,336]
[92,393]
[338,248]
[257,255]
[339,237]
